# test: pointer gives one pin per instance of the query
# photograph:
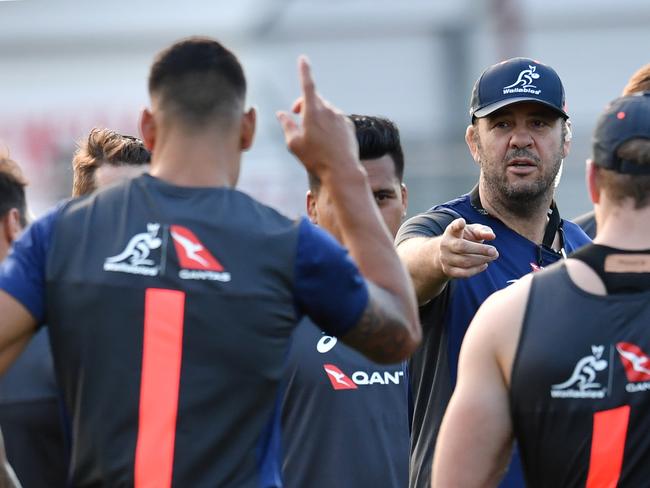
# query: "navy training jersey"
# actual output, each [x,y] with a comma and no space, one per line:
[31,417]
[433,367]
[580,386]
[170,312]
[344,418]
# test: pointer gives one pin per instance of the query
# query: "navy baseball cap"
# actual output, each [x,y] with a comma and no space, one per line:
[624,119]
[517,80]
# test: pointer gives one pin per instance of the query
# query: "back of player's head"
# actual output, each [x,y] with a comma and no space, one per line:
[621,149]
[377,137]
[640,81]
[12,189]
[196,81]
[104,147]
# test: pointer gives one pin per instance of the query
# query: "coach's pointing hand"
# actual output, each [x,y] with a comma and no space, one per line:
[462,252]
[325,142]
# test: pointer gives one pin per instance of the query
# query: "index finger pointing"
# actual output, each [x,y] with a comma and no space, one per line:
[306,81]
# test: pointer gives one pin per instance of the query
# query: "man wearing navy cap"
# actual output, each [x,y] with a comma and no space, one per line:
[462,251]
[559,360]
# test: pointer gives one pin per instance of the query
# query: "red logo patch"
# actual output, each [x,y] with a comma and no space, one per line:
[338,379]
[191,252]
[635,362]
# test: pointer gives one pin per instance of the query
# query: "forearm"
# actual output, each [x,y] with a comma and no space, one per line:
[368,240]
[420,255]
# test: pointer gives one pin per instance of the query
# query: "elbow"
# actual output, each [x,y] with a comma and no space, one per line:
[398,345]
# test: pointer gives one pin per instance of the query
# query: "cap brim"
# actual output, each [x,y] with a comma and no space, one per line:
[487,110]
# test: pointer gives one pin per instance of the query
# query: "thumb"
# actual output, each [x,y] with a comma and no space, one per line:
[289,127]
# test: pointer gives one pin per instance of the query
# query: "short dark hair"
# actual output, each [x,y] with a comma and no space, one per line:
[377,137]
[622,186]
[12,189]
[196,79]
[104,146]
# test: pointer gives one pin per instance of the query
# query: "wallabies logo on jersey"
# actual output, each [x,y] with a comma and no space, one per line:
[582,382]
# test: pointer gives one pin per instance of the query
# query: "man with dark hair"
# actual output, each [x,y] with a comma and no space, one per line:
[640,81]
[194,288]
[30,414]
[559,360]
[344,417]
[106,157]
[519,136]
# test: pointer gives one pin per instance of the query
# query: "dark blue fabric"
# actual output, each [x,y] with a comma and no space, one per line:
[328,286]
[22,273]
[518,256]
[269,449]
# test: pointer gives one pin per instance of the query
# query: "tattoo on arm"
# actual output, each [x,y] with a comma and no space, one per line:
[380,334]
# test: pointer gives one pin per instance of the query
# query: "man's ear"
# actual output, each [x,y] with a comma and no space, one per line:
[567,140]
[248,123]
[312,213]
[591,177]
[11,225]
[405,198]
[148,129]
[470,139]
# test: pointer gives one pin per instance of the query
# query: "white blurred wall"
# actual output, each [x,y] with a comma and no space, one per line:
[67,66]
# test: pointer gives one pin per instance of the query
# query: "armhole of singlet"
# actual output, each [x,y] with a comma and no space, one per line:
[520,341]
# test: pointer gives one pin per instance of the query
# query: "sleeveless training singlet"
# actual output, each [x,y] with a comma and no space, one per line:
[580,388]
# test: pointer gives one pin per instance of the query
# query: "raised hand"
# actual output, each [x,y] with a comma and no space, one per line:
[325,141]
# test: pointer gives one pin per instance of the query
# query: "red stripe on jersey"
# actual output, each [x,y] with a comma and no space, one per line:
[607,446]
[159,385]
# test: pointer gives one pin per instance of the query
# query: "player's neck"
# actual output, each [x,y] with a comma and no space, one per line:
[623,227]
[196,160]
[530,223]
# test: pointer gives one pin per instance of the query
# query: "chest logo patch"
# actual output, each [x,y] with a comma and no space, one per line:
[136,257]
[637,366]
[196,261]
[582,382]
[338,378]
[340,381]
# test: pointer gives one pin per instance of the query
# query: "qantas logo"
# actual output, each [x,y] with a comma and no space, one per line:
[338,378]
[196,261]
[340,381]
[637,369]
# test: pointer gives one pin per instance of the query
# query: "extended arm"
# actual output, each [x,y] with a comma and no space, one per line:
[326,144]
[458,253]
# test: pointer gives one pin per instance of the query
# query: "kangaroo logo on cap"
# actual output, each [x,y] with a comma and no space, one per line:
[525,78]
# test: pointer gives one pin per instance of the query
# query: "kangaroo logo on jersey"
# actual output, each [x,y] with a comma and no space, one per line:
[196,261]
[524,83]
[338,378]
[637,367]
[340,381]
[582,382]
[136,256]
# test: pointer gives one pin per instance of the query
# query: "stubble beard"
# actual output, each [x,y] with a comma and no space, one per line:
[521,198]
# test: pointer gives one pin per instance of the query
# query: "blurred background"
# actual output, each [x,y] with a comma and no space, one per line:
[67,66]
